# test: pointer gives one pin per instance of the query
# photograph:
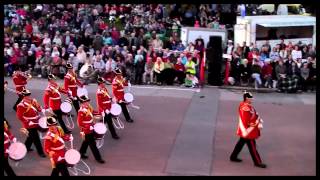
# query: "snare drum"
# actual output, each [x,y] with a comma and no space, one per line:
[115,109]
[17,151]
[72,157]
[82,91]
[128,97]
[43,124]
[66,106]
[100,130]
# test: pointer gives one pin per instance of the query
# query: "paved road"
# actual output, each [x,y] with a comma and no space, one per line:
[176,132]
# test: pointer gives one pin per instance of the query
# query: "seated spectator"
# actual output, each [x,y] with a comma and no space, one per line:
[191,80]
[256,73]
[99,65]
[89,75]
[148,70]
[110,67]
[180,71]
[245,72]
[296,53]
[168,74]
[304,73]
[267,73]
[157,43]
[274,54]
[158,67]
[55,66]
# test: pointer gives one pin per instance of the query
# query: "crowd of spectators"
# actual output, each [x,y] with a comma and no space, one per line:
[287,67]
[143,40]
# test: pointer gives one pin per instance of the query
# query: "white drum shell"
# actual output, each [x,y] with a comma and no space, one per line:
[115,109]
[100,130]
[17,151]
[43,124]
[66,107]
[72,156]
[128,97]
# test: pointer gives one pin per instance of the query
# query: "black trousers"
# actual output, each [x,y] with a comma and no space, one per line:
[89,140]
[108,120]
[7,168]
[34,138]
[60,168]
[76,104]
[251,143]
[125,111]
[17,102]
[58,115]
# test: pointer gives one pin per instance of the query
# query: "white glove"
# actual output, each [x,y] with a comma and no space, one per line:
[261,120]
[103,114]
[71,138]
[43,111]
[260,126]
[129,84]
[91,127]
[14,140]
[70,93]
[31,123]
[107,111]
[120,101]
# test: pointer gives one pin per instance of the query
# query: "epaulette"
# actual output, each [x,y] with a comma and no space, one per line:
[245,108]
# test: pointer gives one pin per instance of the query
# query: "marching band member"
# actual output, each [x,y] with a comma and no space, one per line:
[20,81]
[118,84]
[7,138]
[86,123]
[104,105]
[248,130]
[28,113]
[54,146]
[52,100]
[70,83]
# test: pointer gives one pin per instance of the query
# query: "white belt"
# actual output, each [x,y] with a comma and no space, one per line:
[31,117]
[120,90]
[56,98]
[72,86]
[105,102]
[60,158]
[7,141]
[57,148]
[19,85]
[87,122]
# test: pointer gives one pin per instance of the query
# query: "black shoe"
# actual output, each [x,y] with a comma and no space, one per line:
[235,160]
[130,121]
[42,155]
[101,161]
[83,156]
[261,165]
[116,137]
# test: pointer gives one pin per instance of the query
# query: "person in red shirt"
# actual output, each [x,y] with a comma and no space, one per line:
[180,71]
[20,81]
[86,123]
[104,105]
[248,130]
[54,146]
[28,28]
[71,83]
[267,73]
[118,84]
[7,138]
[28,113]
[52,100]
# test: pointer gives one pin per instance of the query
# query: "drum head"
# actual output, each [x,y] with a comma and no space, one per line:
[43,122]
[100,128]
[82,91]
[115,109]
[65,107]
[128,97]
[17,151]
[72,156]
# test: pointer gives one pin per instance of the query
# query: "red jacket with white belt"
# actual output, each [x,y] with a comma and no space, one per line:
[85,118]
[20,81]
[52,96]
[55,142]
[103,99]
[28,111]
[118,88]
[247,117]
[71,82]
[7,138]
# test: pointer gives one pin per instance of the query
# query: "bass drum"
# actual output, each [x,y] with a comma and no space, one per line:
[17,151]
[72,157]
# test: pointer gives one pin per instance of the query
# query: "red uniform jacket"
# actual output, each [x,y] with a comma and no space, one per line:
[85,118]
[28,111]
[20,81]
[7,137]
[56,145]
[247,117]
[71,82]
[103,99]
[117,88]
[52,96]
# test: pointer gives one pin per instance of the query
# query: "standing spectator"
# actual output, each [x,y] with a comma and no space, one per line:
[57,39]
[31,60]
[97,43]
[157,43]
[282,45]
[245,72]
[67,38]
[296,53]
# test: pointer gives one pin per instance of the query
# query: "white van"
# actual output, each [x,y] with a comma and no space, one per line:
[283,9]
